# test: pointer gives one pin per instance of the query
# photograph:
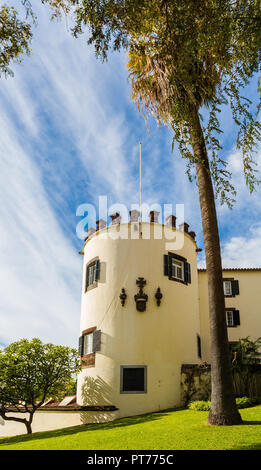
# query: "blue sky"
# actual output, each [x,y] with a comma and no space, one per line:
[68,134]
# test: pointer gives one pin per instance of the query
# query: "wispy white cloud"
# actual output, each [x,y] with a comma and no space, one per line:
[246,203]
[40,276]
[243,251]
[58,92]
[82,96]
[240,227]
[69,133]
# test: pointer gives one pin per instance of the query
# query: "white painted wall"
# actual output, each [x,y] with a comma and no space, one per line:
[247,302]
[162,338]
[51,420]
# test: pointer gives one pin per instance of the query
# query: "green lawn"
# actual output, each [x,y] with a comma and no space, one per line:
[167,430]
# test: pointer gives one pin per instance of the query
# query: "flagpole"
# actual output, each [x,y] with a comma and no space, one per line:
[140,187]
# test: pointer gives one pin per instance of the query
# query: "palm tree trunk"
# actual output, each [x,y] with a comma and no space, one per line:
[223,406]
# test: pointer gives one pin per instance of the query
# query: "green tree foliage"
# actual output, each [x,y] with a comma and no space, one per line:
[32,372]
[16,33]
[246,363]
[184,54]
[15,37]
[246,352]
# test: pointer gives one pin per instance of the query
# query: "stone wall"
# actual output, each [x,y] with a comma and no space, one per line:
[196,382]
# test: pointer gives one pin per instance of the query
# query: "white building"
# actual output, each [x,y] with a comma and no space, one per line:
[145,313]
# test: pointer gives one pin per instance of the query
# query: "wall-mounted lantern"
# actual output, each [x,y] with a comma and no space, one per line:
[123,296]
[158,296]
[141,298]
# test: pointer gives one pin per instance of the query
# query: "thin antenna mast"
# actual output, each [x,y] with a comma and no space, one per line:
[140,187]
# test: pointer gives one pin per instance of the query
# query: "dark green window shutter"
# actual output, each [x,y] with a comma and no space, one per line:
[97,270]
[80,345]
[166,265]
[199,346]
[236,317]
[169,266]
[96,340]
[187,274]
[90,274]
[235,287]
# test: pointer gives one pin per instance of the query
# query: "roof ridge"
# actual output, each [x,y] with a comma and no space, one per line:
[234,269]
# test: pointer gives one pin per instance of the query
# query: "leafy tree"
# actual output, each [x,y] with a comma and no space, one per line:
[246,362]
[32,372]
[16,33]
[15,37]
[185,56]
[247,352]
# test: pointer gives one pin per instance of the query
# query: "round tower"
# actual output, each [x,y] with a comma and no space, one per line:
[139,314]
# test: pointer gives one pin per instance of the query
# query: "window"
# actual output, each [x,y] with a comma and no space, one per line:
[232,317]
[87,344]
[199,346]
[90,341]
[231,287]
[177,268]
[92,274]
[227,287]
[133,379]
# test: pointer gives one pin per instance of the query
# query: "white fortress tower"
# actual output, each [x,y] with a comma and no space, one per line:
[139,314]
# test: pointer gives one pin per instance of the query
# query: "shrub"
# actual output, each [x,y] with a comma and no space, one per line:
[242,402]
[245,402]
[199,405]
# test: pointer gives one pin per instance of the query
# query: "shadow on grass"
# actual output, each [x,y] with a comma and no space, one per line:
[86,427]
[253,446]
[256,446]
[252,423]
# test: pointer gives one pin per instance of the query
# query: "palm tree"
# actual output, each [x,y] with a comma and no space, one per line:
[184,55]
[152,90]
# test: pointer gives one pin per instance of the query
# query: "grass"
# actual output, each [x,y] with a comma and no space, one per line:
[167,430]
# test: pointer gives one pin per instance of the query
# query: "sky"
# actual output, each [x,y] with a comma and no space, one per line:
[70,133]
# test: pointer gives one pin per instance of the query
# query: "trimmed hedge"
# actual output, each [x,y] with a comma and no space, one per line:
[242,402]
